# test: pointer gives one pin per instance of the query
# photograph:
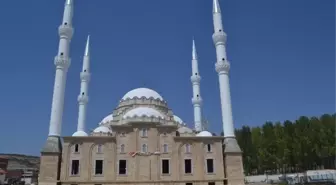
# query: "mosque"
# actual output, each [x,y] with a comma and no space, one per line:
[141,141]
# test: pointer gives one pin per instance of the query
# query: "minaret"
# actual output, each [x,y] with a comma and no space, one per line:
[51,154]
[196,100]
[62,63]
[233,162]
[83,97]
[222,68]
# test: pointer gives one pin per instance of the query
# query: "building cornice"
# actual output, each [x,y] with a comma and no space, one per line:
[199,138]
[88,138]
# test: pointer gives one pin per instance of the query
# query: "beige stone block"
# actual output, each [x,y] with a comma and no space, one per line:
[234,170]
[49,167]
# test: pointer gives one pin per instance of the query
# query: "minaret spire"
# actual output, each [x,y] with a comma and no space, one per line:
[223,68]
[194,52]
[69,2]
[195,80]
[83,97]
[87,47]
[62,63]
[216,7]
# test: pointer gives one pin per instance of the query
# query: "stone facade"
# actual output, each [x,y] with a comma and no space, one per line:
[142,148]
[143,166]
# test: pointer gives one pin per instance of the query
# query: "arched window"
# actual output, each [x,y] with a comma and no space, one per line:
[144,132]
[165,148]
[122,148]
[76,149]
[99,149]
[187,148]
[177,133]
[144,148]
[208,147]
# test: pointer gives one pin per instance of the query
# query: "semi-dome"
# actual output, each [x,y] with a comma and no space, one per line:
[106,119]
[204,134]
[184,130]
[143,111]
[178,119]
[142,92]
[102,129]
[80,134]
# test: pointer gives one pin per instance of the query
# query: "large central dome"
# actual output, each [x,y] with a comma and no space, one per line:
[142,92]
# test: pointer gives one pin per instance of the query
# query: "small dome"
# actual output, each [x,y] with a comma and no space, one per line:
[182,130]
[178,119]
[143,111]
[107,119]
[204,134]
[102,129]
[142,92]
[80,134]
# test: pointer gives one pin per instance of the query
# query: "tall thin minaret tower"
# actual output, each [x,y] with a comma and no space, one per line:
[83,97]
[222,68]
[234,171]
[196,100]
[62,63]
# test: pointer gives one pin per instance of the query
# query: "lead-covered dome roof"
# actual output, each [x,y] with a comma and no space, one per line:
[142,92]
[102,129]
[185,130]
[178,119]
[107,119]
[143,112]
[204,134]
[80,134]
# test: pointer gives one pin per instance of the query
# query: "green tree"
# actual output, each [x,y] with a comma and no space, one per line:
[256,136]
[291,146]
[244,139]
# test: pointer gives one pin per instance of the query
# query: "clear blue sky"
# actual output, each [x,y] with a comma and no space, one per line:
[281,53]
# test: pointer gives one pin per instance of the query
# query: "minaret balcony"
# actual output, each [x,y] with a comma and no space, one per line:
[62,62]
[197,101]
[83,99]
[65,31]
[85,76]
[219,38]
[222,67]
[195,79]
